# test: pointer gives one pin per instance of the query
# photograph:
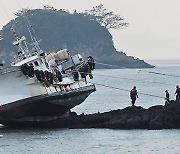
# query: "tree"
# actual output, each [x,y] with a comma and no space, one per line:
[21,12]
[107,19]
[47,7]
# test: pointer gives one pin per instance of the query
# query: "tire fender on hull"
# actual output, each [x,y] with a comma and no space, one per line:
[24,69]
[39,75]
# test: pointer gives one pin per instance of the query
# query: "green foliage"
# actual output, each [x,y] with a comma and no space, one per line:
[107,19]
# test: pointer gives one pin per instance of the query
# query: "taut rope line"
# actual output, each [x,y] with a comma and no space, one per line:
[107,86]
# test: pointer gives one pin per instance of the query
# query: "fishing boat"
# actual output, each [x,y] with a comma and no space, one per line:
[38,86]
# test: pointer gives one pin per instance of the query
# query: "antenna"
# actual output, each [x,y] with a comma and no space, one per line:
[33,37]
[5,11]
[17,43]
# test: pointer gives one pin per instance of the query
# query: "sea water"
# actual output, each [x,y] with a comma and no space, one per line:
[113,86]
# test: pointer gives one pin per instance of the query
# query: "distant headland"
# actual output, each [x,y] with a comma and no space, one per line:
[79,32]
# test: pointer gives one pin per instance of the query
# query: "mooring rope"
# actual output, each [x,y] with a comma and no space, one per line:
[158,73]
[139,70]
[117,88]
[107,86]
[143,81]
[116,66]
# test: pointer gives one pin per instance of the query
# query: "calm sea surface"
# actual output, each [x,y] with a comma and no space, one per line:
[112,93]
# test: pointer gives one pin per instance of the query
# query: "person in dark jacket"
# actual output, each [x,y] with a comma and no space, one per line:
[133,95]
[166,97]
[91,62]
[177,92]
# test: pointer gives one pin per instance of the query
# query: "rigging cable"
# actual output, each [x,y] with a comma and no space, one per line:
[121,89]
[108,65]
[143,81]
[107,86]
[139,70]
[157,73]
[5,11]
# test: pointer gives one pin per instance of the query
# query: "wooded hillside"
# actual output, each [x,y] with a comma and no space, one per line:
[75,31]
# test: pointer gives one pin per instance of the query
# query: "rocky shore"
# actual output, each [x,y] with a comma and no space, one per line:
[136,117]
[156,117]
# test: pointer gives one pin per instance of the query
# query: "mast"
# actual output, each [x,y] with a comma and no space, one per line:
[23,51]
[34,38]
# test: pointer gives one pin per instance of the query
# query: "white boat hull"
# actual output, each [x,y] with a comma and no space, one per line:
[22,97]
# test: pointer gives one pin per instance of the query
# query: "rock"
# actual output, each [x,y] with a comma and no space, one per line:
[136,117]
[156,123]
[156,117]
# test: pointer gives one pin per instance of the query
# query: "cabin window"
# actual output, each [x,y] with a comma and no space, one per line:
[36,63]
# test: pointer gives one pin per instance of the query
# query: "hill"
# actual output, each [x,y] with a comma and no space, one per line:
[60,29]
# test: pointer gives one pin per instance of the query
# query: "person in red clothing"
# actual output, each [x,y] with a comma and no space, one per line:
[133,95]
[177,92]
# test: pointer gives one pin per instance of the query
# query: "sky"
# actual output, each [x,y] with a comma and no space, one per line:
[154,25]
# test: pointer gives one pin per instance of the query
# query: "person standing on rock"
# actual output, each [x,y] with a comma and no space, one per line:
[166,97]
[133,95]
[177,92]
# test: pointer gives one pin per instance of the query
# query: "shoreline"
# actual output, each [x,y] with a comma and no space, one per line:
[154,118]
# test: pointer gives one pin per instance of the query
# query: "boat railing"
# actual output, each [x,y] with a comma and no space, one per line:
[9,70]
